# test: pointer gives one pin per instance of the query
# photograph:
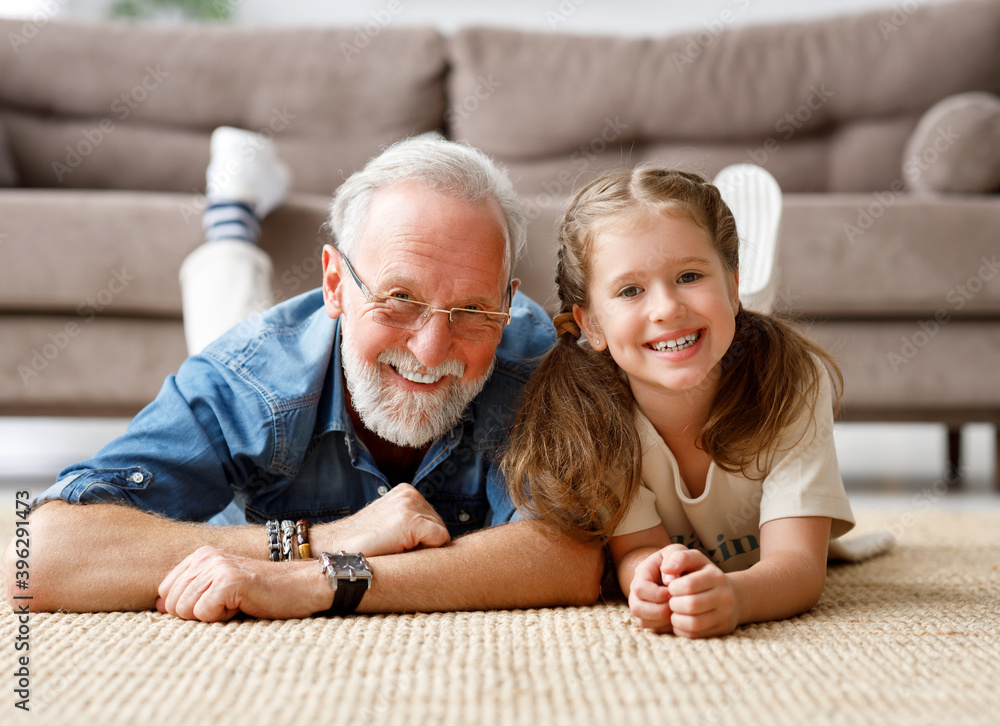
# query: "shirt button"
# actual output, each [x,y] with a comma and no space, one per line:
[382,490]
[136,477]
[463,516]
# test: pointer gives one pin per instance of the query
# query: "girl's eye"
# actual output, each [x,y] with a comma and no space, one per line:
[630,291]
[689,277]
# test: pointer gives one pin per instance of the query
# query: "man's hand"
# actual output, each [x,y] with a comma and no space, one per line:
[399,521]
[211,585]
[701,595]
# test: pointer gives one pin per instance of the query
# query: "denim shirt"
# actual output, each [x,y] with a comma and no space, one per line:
[256,425]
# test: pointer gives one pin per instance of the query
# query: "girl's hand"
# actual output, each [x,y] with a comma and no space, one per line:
[649,598]
[701,596]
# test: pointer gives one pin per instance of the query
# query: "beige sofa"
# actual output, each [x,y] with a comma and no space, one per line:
[107,132]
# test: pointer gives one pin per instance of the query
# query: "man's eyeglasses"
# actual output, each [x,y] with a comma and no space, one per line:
[403,313]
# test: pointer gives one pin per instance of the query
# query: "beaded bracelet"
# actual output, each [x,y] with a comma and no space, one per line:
[273,541]
[302,536]
[287,533]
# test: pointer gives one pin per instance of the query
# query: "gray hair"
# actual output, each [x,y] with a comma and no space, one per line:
[445,166]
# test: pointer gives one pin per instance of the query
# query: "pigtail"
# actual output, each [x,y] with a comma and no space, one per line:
[770,375]
[574,456]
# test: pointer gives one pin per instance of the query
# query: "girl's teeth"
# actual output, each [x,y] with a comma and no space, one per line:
[679,344]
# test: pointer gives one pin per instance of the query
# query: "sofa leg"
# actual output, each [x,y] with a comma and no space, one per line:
[996,451]
[954,473]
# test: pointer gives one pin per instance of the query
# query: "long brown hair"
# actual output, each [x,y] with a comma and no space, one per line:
[574,458]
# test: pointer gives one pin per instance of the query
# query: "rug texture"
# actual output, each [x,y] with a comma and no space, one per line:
[912,637]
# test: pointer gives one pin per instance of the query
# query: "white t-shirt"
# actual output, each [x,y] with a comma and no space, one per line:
[803,480]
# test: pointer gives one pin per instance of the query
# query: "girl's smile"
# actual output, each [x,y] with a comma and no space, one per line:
[676,343]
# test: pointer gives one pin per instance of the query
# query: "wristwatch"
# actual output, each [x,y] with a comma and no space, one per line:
[350,577]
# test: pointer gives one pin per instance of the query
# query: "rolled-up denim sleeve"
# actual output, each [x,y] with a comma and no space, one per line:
[502,505]
[206,433]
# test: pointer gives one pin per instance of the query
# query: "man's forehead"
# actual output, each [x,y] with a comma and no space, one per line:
[415,232]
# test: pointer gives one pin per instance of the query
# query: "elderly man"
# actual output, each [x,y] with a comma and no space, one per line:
[372,408]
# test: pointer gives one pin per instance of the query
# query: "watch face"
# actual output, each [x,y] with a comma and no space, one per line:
[344,563]
[357,562]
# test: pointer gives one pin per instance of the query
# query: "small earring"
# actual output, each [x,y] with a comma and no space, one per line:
[597,341]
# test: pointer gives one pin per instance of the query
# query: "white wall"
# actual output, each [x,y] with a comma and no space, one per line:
[625,17]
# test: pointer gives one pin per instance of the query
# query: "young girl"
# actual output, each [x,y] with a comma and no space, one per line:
[697,436]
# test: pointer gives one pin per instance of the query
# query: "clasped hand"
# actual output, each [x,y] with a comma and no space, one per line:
[681,591]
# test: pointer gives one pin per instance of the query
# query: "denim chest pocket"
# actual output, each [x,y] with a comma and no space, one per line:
[315,515]
[461,514]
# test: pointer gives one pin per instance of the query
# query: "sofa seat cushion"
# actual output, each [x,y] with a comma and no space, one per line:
[118,253]
[890,254]
[900,366]
[64,365]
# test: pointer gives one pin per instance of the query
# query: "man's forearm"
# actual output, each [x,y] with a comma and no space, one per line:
[100,557]
[513,566]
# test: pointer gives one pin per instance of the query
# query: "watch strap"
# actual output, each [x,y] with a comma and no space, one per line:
[347,592]
[347,597]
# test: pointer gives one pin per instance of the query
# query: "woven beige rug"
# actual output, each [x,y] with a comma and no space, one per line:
[910,638]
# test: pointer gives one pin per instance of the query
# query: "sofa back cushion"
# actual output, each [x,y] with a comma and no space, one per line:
[131,107]
[824,105]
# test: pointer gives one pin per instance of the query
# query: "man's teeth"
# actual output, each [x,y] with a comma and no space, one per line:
[679,344]
[417,377]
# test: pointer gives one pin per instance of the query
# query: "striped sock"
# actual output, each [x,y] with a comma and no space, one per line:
[226,219]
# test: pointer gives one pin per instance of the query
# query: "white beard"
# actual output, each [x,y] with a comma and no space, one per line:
[405,418]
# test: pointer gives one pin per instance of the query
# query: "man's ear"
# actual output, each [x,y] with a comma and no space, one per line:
[514,284]
[333,282]
[591,328]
